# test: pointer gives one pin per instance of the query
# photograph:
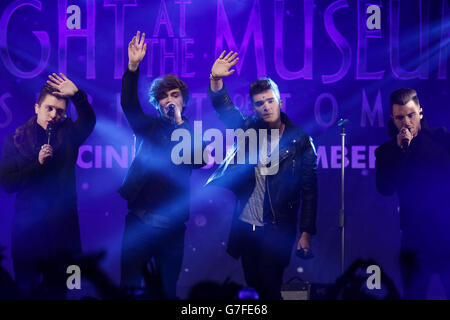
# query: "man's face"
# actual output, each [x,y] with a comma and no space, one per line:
[266,106]
[407,116]
[51,110]
[174,97]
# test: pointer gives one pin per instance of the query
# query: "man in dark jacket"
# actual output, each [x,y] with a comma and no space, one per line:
[265,224]
[415,165]
[38,164]
[157,190]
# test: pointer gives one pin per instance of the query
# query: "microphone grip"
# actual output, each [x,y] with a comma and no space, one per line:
[50,130]
[405,144]
[171,112]
[301,253]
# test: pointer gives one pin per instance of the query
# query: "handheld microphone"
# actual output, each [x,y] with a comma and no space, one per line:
[304,254]
[405,142]
[171,112]
[50,131]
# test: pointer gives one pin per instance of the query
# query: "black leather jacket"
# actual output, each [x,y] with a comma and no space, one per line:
[297,173]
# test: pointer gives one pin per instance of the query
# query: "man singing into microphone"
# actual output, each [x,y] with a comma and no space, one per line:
[415,165]
[38,164]
[156,189]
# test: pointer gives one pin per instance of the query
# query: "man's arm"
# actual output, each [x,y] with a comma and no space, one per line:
[308,187]
[225,109]
[129,99]
[85,123]
[130,102]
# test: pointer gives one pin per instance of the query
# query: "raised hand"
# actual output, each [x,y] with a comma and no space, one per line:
[221,67]
[136,51]
[66,88]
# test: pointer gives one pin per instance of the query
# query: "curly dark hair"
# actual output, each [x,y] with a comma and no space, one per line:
[161,85]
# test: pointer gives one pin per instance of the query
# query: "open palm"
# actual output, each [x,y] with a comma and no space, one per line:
[137,49]
[221,67]
[66,88]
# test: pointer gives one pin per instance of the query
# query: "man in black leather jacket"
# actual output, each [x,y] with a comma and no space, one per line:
[415,165]
[157,190]
[264,225]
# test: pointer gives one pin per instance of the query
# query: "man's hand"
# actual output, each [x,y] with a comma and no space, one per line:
[304,242]
[404,134]
[45,152]
[136,51]
[221,67]
[66,88]
[177,115]
[174,116]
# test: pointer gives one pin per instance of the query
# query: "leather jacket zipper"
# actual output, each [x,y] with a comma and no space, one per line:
[270,200]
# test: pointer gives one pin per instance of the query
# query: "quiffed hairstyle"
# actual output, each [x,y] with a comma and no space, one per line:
[262,85]
[403,96]
[169,82]
[49,90]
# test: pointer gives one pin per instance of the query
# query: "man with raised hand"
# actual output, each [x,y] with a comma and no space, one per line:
[157,190]
[38,165]
[265,221]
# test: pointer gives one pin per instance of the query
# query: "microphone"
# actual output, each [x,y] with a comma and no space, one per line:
[342,122]
[304,254]
[50,131]
[405,142]
[171,112]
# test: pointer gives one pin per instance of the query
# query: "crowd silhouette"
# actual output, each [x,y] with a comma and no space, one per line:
[53,285]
